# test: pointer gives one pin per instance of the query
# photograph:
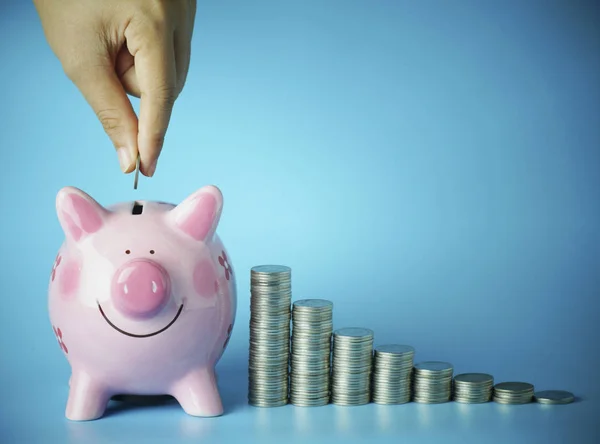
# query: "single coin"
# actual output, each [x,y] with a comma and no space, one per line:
[355,332]
[474,378]
[137,172]
[554,397]
[434,366]
[395,349]
[313,303]
[513,387]
[271,269]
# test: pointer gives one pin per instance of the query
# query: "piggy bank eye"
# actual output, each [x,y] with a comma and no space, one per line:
[151,251]
[127,251]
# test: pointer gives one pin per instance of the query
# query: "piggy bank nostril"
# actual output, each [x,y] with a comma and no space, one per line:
[140,288]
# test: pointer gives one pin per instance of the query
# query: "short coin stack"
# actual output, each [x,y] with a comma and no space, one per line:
[312,324]
[392,371]
[473,388]
[351,366]
[270,300]
[554,397]
[513,393]
[432,382]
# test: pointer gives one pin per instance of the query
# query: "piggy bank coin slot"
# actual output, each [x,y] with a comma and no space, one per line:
[138,208]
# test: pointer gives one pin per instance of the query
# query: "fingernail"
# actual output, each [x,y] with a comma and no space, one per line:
[151,169]
[125,159]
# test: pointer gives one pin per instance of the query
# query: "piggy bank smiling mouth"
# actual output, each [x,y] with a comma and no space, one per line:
[133,335]
[140,289]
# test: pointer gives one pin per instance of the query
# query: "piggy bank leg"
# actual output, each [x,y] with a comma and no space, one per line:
[87,398]
[198,394]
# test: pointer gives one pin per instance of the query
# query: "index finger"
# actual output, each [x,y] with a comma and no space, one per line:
[157,78]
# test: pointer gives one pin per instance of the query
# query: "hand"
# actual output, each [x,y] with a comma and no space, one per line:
[111,48]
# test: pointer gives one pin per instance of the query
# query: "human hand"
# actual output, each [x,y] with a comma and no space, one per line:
[109,48]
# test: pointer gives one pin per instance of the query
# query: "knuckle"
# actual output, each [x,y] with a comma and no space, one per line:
[157,140]
[110,120]
[160,8]
[166,95]
[156,16]
[85,57]
[154,26]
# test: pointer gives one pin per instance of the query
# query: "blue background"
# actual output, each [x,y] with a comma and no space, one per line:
[431,167]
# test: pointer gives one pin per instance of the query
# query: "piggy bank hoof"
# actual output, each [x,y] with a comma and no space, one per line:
[83,416]
[87,412]
[87,399]
[198,394]
[204,413]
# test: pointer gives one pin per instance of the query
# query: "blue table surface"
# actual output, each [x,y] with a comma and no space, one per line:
[37,416]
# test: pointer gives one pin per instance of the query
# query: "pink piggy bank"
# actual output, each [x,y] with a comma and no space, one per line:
[142,300]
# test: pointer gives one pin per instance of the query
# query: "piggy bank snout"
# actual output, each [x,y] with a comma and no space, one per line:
[140,288]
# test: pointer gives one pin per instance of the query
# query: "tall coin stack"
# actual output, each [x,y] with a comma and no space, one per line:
[432,382]
[351,366]
[392,371]
[312,324]
[473,388]
[268,363]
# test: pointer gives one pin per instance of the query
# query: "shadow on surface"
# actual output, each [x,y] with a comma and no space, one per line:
[232,387]
[123,403]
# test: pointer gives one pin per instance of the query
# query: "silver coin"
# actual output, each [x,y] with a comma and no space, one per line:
[513,387]
[554,397]
[314,304]
[434,366]
[430,401]
[270,269]
[270,293]
[474,378]
[137,172]
[354,332]
[511,402]
[260,403]
[394,349]
[471,401]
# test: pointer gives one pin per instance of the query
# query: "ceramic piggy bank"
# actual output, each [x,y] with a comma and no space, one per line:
[142,300]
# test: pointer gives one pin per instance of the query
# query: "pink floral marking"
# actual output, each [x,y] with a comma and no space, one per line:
[225,264]
[55,266]
[59,338]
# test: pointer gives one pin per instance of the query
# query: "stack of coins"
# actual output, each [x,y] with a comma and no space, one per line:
[351,366]
[312,324]
[432,382]
[270,300]
[513,393]
[392,371]
[473,388]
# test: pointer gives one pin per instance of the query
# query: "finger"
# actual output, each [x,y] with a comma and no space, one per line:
[102,89]
[182,57]
[157,80]
[125,69]
[130,82]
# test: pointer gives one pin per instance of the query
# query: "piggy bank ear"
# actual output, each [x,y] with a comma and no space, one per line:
[199,214]
[78,213]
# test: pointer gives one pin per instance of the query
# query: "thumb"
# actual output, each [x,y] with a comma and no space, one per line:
[99,84]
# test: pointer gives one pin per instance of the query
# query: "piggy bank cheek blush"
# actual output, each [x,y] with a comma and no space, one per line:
[205,279]
[142,300]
